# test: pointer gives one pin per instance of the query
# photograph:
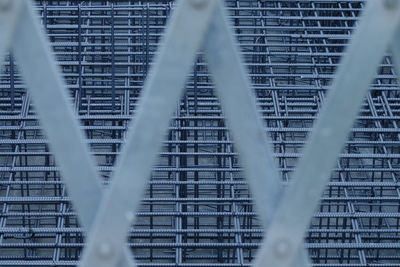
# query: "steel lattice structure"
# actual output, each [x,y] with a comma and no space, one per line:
[198,209]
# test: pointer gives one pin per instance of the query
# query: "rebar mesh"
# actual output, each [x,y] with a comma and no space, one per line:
[198,210]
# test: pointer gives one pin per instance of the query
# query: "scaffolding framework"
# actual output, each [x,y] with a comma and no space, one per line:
[198,210]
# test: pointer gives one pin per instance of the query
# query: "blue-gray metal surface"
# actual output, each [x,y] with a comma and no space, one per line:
[197,210]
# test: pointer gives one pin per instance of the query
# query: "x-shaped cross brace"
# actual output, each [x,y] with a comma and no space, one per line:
[284,213]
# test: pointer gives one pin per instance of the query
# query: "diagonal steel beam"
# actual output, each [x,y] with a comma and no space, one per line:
[243,119]
[184,36]
[376,30]
[61,126]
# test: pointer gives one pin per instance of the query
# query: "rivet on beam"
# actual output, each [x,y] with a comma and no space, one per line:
[105,250]
[282,249]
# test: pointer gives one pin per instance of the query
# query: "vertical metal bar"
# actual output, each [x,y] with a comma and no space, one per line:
[196,222]
[235,208]
[12,82]
[112,58]
[146,62]
[178,194]
[81,94]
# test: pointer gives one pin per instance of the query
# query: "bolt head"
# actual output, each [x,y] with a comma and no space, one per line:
[129,216]
[105,250]
[282,248]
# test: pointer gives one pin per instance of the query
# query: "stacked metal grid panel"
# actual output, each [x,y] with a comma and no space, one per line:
[197,210]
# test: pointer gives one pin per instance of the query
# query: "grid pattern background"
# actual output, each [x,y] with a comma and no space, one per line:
[197,210]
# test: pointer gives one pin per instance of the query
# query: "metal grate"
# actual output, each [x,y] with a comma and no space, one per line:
[198,211]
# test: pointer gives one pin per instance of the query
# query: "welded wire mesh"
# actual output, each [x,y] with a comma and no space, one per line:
[198,209]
